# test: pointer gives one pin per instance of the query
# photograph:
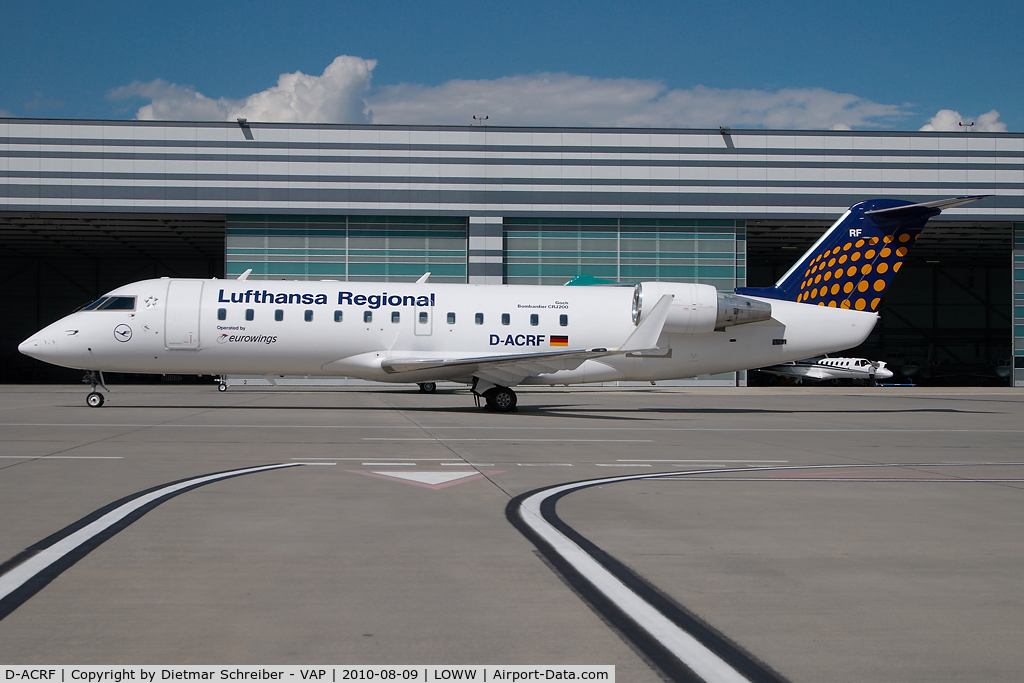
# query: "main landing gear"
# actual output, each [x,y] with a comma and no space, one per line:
[95,398]
[497,398]
[501,399]
[428,387]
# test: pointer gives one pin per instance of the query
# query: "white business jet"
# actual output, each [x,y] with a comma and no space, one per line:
[824,369]
[495,337]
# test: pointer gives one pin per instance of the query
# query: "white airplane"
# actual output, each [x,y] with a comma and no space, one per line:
[823,369]
[494,337]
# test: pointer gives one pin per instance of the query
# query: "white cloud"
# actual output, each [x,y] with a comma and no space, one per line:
[566,100]
[173,102]
[335,96]
[949,120]
[341,95]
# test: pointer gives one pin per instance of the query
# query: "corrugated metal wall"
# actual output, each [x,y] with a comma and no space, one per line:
[466,171]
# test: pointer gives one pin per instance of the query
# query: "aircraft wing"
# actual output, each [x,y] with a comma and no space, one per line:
[503,370]
[802,370]
[510,370]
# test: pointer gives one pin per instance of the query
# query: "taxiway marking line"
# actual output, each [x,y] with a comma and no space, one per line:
[383,459]
[62,457]
[395,438]
[687,649]
[536,512]
[860,480]
[711,461]
[38,564]
[443,462]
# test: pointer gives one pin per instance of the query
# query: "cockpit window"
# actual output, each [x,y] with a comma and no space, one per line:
[112,303]
[94,304]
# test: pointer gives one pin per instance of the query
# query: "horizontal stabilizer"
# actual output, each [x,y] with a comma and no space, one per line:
[941,205]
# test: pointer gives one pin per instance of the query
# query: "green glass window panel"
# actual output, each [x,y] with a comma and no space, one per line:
[247,241]
[367,269]
[291,241]
[402,247]
[286,268]
[406,269]
[317,241]
[542,250]
[237,268]
[718,245]
[662,272]
[327,269]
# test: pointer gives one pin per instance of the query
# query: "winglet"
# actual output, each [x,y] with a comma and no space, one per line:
[646,334]
[245,275]
[423,278]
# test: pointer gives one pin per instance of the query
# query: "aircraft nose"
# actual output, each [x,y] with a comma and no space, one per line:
[41,347]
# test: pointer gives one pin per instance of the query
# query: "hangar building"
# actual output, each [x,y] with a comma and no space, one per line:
[89,205]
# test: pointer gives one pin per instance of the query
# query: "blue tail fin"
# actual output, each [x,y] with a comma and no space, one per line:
[852,264]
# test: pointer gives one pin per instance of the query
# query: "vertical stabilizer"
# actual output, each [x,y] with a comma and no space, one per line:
[852,264]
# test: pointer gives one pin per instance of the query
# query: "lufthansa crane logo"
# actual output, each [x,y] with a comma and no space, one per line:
[122,333]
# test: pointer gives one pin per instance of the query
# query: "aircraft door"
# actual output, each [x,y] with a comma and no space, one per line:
[181,325]
[423,326]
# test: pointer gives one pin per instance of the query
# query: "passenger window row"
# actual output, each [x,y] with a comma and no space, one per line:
[396,317]
[506,319]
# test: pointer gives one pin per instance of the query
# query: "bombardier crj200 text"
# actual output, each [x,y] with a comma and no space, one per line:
[495,337]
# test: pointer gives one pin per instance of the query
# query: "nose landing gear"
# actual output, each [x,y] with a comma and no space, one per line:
[95,398]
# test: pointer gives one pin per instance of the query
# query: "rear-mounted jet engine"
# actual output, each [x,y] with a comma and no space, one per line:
[698,309]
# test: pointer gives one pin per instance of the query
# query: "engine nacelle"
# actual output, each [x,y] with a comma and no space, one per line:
[698,309]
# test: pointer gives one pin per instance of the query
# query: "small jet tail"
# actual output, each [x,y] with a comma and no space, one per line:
[852,264]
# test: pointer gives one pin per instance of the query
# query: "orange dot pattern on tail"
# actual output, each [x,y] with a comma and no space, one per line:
[872,264]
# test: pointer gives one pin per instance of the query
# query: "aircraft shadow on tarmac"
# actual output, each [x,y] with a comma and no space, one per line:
[565,410]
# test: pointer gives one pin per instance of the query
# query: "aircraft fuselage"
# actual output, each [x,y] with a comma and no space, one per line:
[330,328]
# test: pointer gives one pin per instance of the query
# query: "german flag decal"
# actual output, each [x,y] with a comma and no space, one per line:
[558,340]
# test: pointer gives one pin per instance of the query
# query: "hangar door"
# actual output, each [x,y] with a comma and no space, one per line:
[181,326]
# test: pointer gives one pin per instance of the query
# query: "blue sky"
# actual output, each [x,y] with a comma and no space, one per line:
[865,65]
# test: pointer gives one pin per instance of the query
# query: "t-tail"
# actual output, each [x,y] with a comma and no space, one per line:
[852,264]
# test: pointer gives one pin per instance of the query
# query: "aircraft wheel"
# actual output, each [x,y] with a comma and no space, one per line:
[222,387]
[501,399]
[428,387]
[94,399]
